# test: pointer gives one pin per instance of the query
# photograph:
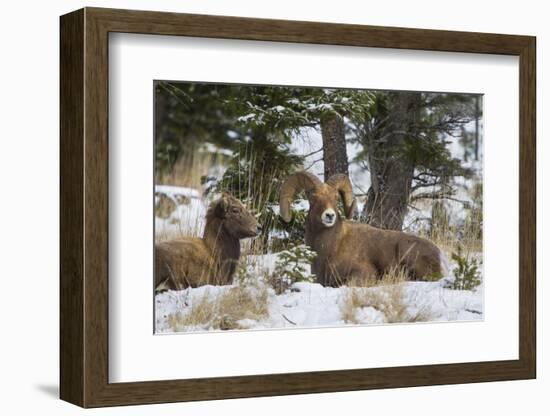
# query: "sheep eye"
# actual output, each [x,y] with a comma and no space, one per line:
[235,210]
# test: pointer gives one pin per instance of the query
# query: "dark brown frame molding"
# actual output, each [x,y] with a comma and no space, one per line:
[84,210]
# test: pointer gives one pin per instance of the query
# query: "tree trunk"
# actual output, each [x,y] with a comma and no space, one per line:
[391,170]
[334,145]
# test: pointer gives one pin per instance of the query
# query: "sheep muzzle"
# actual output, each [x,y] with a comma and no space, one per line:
[328,217]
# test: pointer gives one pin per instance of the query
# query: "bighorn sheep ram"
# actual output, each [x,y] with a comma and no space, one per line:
[212,259]
[351,251]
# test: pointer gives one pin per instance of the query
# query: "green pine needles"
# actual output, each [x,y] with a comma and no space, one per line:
[292,266]
[467,274]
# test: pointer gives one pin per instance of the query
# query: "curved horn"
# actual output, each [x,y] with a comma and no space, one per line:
[291,186]
[343,185]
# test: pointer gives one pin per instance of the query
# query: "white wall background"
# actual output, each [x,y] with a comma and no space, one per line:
[29,159]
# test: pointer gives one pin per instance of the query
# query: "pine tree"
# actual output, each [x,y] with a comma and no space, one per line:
[403,137]
[287,110]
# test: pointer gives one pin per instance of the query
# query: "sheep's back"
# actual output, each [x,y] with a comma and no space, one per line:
[383,249]
[184,262]
[361,243]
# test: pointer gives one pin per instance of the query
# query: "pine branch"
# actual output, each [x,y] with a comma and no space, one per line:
[313,163]
[439,196]
[312,153]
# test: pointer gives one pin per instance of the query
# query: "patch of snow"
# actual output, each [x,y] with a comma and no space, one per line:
[232,134]
[189,216]
[247,117]
[174,191]
[211,148]
[320,107]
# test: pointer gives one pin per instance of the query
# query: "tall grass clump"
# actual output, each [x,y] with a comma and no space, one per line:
[227,310]
[448,234]
[190,168]
[386,295]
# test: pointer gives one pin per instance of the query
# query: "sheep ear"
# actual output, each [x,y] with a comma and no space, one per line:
[351,211]
[222,205]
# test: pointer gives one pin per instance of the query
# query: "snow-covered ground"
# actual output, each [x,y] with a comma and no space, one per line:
[312,305]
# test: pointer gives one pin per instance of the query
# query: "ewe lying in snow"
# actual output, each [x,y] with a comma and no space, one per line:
[212,259]
[351,251]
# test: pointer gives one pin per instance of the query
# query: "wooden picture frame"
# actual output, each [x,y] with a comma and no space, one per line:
[84,207]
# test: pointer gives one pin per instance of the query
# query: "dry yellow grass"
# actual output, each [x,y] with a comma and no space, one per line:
[190,168]
[184,225]
[449,237]
[386,295]
[223,311]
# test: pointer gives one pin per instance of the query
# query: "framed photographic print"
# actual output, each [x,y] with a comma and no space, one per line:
[256,207]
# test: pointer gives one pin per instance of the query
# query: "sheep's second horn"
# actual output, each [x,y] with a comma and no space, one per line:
[342,183]
[291,186]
